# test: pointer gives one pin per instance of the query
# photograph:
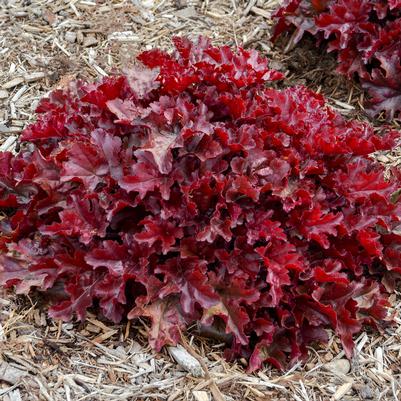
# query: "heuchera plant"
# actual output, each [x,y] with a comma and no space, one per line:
[190,191]
[366,36]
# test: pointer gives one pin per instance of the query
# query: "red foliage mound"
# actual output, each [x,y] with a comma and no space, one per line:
[366,35]
[189,192]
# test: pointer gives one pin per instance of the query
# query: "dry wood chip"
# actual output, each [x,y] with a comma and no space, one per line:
[366,392]
[80,37]
[34,76]
[9,130]
[87,3]
[90,40]
[188,12]
[43,390]
[92,328]
[105,336]
[186,361]
[18,13]
[19,93]
[261,12]
[126,36]
[251,3]
[339,366]
[98,324]
[10,374]
[15,395]
[343,105]
[255,391]
[201,395]
[175,395]
[62,48]
[49,16]
[3,94]
[14,82]
[379,359]
[35,29]
[99,70]
[70,36]
[361,342]
[342,390]
[376,378]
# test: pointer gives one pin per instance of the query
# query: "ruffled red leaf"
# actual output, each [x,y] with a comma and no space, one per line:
[365,36]
[166,322]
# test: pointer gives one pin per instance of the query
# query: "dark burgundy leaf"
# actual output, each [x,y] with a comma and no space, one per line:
[166,322]
[364,34]
[84,164]
[156,230]
[111,255]
[125,110]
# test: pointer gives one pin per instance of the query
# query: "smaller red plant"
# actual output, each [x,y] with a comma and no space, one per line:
[366,36]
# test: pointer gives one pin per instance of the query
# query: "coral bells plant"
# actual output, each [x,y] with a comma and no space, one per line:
[366,36]
[193,191]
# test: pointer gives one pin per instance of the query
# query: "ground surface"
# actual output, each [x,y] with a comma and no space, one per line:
[44,44]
